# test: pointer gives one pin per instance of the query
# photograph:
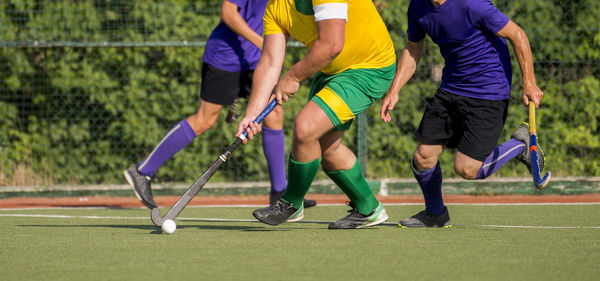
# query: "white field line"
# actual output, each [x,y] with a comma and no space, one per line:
[335,204]
[304,221]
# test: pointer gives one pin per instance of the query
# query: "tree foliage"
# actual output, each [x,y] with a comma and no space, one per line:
[80,114]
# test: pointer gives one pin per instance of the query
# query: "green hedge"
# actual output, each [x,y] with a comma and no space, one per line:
[80,115]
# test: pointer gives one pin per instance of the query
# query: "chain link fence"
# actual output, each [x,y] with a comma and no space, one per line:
[89,87]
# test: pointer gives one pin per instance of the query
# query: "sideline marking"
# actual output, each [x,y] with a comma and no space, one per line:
[304,221]
[323,205]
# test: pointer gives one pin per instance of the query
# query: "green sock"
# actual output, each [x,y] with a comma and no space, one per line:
[356,188]
[300,177]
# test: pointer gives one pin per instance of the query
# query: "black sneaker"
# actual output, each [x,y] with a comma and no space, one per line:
[522,135]
[427,219]
[309,203]
[274,196]
[140,185]
[358,220]
[278,212]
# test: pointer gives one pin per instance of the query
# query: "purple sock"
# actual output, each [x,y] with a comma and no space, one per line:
[430,182]
[274,150]
[500,156]
[177,138]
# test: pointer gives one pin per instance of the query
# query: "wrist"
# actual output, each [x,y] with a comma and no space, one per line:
[292,74]
[530,82]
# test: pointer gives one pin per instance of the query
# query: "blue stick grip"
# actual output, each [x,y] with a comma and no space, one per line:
[261,116]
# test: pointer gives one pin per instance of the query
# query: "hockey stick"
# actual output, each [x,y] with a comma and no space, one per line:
[539,181]
[155,216]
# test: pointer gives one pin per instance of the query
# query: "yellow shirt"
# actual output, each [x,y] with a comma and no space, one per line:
[367,41]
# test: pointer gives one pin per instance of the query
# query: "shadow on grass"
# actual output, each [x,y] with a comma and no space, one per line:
[155,229]
[216,225]
[129,226]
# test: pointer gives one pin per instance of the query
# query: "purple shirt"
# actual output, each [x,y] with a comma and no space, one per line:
[477,61]
[229,51]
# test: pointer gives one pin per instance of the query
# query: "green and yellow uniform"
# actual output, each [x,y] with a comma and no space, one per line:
[361,73]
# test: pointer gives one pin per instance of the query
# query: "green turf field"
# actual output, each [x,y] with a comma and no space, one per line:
[516,242]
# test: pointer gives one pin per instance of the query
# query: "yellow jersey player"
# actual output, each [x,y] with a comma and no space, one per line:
[351,60]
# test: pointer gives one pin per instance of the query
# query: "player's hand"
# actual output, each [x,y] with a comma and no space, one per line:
[387,105]
[287,87]
[252,128]
[532,93]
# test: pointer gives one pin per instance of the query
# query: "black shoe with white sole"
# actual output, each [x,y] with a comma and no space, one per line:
[427,219]
[278,213]
[140,185]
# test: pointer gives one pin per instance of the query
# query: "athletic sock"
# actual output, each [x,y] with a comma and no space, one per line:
[500,156]
[274,150]
[353,183]
[430,182]
[300,177]
[177,138]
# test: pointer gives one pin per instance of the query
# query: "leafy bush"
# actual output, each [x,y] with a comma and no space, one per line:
[114,76]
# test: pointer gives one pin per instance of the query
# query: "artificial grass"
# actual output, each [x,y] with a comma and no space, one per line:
[122,244]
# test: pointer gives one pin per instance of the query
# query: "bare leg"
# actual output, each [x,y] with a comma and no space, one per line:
[205,117]
[466,166]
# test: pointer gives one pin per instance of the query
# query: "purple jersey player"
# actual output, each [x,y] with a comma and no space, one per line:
[231,54]
[469,109]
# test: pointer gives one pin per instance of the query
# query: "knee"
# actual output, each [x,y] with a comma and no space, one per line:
[201,123]
[275,119]
[466,171]
[303,132]
[423,160]
[276,114]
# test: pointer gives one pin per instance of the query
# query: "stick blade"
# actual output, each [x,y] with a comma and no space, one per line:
[543,181]
[155,216]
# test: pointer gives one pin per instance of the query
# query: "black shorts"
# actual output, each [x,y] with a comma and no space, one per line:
[473,126]
[223,87]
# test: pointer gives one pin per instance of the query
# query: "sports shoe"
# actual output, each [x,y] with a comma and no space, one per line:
[427,219]
[522,135]
[274,196]
[279,212]
[140,185]
[358,220]
[309,203]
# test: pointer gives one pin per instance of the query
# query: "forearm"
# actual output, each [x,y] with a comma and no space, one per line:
[323,51]
[405,69]
[320,55]
[264,80]
[525,59]
[266,73]
[407,65]
[522,49]
[232,18]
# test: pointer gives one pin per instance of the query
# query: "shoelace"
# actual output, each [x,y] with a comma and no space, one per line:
[351,206]
[279,206]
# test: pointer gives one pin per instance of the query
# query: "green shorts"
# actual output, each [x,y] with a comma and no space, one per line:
[346,94]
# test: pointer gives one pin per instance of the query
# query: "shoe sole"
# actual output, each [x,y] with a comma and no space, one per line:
[298,218]
[275,224]
[422,226]
[381,219]
[130,181]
